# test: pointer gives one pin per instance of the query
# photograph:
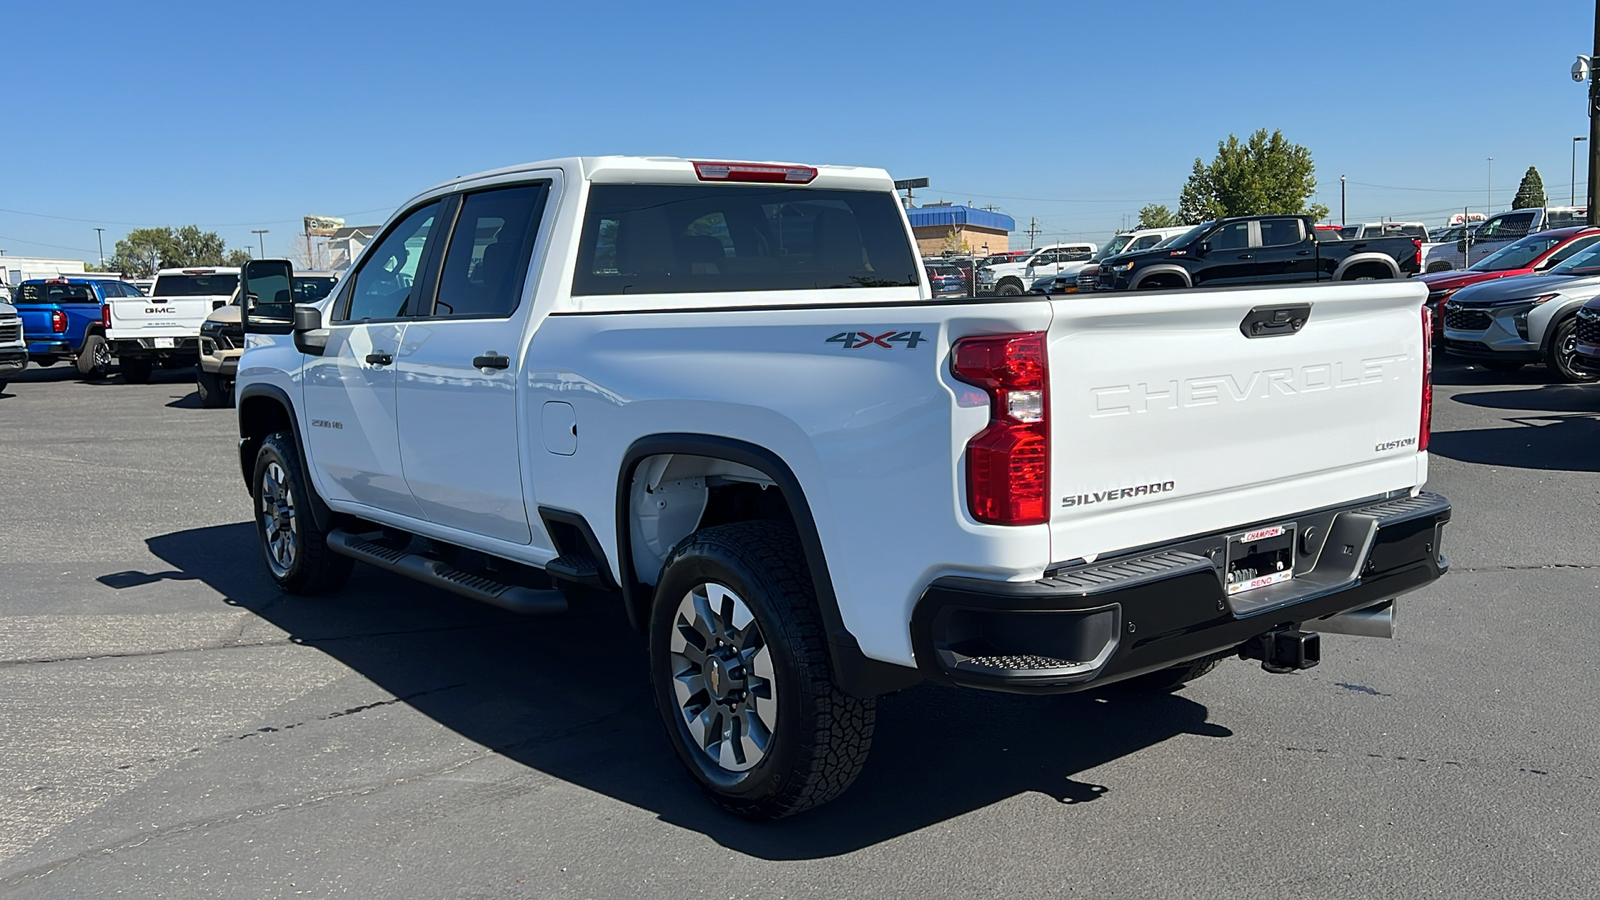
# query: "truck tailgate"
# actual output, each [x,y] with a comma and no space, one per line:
[151,317]
[1168,421]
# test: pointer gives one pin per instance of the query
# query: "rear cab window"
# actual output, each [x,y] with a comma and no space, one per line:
[216,284]
[672,239]
[39,293]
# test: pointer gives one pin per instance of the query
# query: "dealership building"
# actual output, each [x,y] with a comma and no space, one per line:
[983,231]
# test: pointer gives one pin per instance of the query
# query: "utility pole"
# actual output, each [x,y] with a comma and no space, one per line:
[261,241]
[1488,197]
[100,242]
[1594,128]
[1033,221]
[1341,200]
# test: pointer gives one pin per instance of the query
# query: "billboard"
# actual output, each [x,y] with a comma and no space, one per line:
[323,226]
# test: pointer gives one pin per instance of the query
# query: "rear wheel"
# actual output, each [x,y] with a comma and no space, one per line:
[1009,289]
[741,674]
[214,391]
[295,549]
[94,359]
[135,371]
[1561,356]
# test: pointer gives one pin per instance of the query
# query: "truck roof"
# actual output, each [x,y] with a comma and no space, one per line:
[200,270]
[675,170]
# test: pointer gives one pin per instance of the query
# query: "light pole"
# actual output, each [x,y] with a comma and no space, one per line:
[261,241]
[1572,196]
[1341,200]
[1488,201]
[100,242]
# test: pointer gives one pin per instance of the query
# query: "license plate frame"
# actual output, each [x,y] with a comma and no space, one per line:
[164,343]
[1260,557]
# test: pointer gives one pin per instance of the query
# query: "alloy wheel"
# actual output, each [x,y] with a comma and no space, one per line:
[280,529]
[722,677]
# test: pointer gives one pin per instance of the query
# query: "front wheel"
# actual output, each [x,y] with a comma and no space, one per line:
[740,669]
[214,391]
[1562,354]
[295,549]
[1009,290]
[94,359]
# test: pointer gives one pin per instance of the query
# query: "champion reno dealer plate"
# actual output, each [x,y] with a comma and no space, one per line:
[1260,557]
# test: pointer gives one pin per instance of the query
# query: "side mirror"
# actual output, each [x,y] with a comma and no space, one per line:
[1461,245]
[266,287]
[307,318]
[1203,249]
[310,337]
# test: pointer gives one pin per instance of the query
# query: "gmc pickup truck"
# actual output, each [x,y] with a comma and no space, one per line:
[164,328]
[1259,250]
[64,320]
[723,394]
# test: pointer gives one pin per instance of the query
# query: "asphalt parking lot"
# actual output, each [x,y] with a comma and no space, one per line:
[171,725]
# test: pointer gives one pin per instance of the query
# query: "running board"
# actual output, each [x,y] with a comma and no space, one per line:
[443,575]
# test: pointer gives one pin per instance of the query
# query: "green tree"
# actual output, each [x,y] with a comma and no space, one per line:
[145,250]
[1530,192]
[955,243]
[1263,175]
[1156,215]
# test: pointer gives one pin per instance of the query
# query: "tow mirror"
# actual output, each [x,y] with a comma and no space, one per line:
[266,287]
[309,335]
[1204,248]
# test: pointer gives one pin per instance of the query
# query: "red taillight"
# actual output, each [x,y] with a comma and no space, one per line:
[105,314]
[58,321]
[1418,243]
[1008,462]
[755,172]
[1425,429]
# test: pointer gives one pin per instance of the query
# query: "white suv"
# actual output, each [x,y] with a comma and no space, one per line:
[13,349]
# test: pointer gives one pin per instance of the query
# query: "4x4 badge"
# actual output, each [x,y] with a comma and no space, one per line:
[855,340]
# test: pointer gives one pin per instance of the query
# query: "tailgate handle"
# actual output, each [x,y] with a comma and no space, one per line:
[1272,321]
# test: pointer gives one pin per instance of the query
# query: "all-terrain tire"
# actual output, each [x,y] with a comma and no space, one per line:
[135,371]
[821,736]
[294,548]
[94,358]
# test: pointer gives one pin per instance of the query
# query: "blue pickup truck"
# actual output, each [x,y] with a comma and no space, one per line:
[62,320]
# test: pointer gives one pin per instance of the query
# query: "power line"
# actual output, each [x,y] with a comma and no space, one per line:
[21,212]
[42,244]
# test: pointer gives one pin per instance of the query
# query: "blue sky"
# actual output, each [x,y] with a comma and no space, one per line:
[250,115]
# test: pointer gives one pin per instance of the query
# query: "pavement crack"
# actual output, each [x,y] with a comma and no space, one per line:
[229,645]
[1454,763]
[1534,567]
[270,729]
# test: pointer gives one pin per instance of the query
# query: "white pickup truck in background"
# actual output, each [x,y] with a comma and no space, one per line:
[723,394]
[163,329]
[1010,279]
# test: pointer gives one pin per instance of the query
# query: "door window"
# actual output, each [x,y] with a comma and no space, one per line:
[1232,236]
[382,288]
[1581,244]
[487,259]
[1505,228]
[1144,243]
[1280,232]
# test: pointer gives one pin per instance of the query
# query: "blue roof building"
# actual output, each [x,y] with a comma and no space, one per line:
[981,230]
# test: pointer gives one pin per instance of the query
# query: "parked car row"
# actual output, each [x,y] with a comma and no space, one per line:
[1521,305]
[97,323]
[1464,245]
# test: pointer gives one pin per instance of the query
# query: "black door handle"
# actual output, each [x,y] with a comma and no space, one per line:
[491,360]
[379,359]
[1302,253]
[1246,256]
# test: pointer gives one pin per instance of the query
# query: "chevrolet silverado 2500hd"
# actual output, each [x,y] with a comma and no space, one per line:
[723,393]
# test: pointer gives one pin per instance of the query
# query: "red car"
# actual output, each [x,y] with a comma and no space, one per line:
[1534,253]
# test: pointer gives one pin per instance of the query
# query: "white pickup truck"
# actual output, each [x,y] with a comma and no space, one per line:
[1010,279]
[723,394]
[164,328]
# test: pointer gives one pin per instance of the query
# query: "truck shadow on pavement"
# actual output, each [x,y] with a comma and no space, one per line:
[569,697]
[1558,430]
